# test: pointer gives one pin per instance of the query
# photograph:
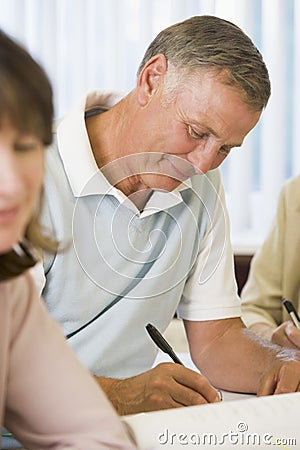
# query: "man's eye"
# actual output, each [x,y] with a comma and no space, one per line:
[224,150]
[194,134]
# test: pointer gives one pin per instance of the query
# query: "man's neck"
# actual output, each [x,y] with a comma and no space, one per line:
[103,128]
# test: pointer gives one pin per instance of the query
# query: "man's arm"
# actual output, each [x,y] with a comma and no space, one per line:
[228,354]
[235,359]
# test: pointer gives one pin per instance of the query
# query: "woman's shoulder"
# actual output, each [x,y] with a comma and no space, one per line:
[17,290]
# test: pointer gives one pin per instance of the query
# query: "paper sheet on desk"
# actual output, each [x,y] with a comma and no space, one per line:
[253,423]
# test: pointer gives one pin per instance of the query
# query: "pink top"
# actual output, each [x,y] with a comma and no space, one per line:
[47,399]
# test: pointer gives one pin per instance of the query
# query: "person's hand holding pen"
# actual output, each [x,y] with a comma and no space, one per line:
[165,386]
[288,333]
[203,388]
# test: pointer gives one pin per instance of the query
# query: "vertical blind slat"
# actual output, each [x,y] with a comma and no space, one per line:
[296,106]
[274,129]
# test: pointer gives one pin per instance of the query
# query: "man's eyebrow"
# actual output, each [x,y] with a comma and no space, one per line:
[233,145]
[213,132]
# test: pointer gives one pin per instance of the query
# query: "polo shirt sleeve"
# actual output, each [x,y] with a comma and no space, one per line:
[210,292]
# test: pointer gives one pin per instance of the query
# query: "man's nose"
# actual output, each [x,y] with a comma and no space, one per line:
[204,157]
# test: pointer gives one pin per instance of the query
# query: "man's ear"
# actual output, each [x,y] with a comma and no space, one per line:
[150,78]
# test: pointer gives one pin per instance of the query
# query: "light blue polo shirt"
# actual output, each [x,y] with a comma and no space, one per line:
[174,256]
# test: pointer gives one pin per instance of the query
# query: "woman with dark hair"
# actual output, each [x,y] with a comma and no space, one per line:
[47,399]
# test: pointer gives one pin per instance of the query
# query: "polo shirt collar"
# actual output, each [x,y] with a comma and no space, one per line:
[74,146]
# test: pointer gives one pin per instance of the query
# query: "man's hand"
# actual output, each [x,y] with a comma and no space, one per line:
[283,376]
[167,385]
[234,358]
[286,335]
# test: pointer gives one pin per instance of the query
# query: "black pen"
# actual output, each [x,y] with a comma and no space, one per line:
[161,343]
[292,312]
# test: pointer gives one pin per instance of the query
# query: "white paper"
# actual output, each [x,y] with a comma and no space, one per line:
[252,423]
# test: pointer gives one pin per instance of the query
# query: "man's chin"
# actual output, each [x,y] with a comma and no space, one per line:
[166,185]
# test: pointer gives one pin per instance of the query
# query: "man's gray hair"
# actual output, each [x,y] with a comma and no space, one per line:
[203,42]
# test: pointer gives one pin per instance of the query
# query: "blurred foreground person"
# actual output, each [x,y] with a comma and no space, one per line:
[47,399]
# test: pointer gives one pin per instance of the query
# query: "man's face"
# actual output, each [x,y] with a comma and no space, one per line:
[192,134]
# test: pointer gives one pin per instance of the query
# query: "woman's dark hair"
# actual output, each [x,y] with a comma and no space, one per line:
[25,91]
[26,100]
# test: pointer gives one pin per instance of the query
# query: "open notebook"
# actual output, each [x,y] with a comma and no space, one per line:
[249,423]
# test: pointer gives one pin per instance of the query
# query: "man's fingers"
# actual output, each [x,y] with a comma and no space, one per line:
[190,388]
[267,385]
[282,381]
[287,381]
[283,335]
[293,334]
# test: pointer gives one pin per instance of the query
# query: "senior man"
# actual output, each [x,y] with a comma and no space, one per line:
[134,195]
